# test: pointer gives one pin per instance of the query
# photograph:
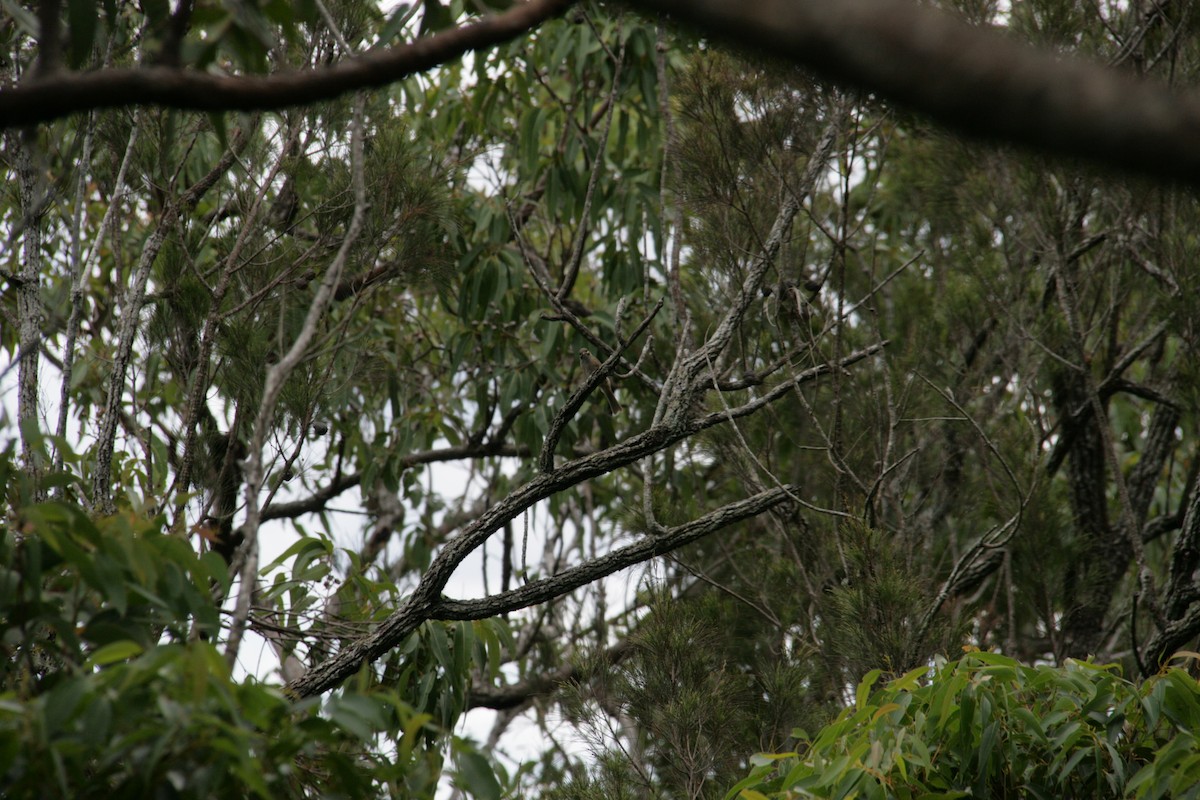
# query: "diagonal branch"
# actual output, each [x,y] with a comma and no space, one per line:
[426,599]
[540,591]
[517,695]
[974,80]
[427,602]
[60,95]
[575,402]
[695,364]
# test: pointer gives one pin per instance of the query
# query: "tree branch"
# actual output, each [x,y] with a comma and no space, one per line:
[576,400]
[516,695]
[540,591]
[427,603]
[60,95]
[135,297]
[277,375]
[974,80]
[343,483]
[427,598]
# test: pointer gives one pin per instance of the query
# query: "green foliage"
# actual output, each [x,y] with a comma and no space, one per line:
[78,586]
[447,341]
[110,684]
[703,688]
[987,726]
[875,609]
[172,720]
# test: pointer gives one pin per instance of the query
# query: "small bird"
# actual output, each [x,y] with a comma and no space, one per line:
[590,365]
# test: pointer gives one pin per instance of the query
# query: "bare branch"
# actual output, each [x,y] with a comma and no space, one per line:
[29,295]
[278,374]
[427,596]
[134,298]
[575,402]
[518,694]
[60,95]
[540,591]
[572,267]
[427,603]
[83,268]
[343,483]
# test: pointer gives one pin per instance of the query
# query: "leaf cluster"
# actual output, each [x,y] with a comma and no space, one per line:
[111,685]
[987,726]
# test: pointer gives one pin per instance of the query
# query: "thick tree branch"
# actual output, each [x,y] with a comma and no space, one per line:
[1159,444]
[1185,557]
[427,599]
[60,95]
[557,585]
[974,80]
[29,299]
[675,421]
[1173,636]
[427,603]
[314,502]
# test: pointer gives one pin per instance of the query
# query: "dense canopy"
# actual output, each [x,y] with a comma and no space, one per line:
[883,464]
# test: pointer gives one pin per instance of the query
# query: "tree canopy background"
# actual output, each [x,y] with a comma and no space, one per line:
[886,395]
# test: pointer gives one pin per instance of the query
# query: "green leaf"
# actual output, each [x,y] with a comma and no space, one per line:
[477,776]
[463,645]
[309,547]
[984,756]
[909,680]
[436,17]
[530,139]
[763,759]
[755,778]
[863,691]
[393,26]
[62,703]
[411,728]
[219,123]
[117,651]
[359,714]
[439,644]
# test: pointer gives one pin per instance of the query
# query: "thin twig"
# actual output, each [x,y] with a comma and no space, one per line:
[277,375]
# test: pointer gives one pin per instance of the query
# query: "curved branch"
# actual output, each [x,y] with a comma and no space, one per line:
[60,95]
[1174,635]
[516,695]
[343,483]
[974,80]
[575,401]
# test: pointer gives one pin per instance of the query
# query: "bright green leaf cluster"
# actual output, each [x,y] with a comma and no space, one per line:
[987,726]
